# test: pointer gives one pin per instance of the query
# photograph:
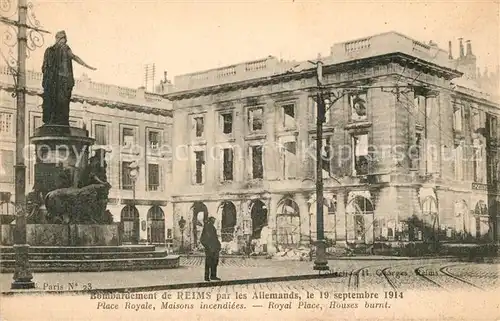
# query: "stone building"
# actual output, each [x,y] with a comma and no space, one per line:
[131,124]
[245,139]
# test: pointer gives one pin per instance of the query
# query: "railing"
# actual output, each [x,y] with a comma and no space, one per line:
[87,88]
[357,45]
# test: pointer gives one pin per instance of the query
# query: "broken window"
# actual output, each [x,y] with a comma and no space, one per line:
[226,121]
[128,137]
[493,124]
[256,119]
[199,168]
[360,157]
[357,103]
[458,162]
[199,126]
[154,139]
[326,156]
[457,118]
[289,159]
[313,111]
[227,164]
[257,162]
[415,152]
[288,112]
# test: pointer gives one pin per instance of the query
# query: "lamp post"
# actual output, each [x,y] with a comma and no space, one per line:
[182,226]
[133,173]
[320,263]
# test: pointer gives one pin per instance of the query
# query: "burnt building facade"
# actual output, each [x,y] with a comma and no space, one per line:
[410,153]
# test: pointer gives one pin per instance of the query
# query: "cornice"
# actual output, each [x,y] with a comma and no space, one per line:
[100,102]
[400,58]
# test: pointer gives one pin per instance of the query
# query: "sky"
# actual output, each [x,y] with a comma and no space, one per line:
[120,37]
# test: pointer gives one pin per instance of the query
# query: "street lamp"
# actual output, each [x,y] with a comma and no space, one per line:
[133,173]
[320,263]
[182,226]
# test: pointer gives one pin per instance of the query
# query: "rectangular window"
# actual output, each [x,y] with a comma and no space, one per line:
[360,154]
[199,126]
[227,164]
[6,127]
[126,182]
[288,114]
[101,134]
[493,164]
[153,177]
[128,137]
[313,111]
[6,166]
[493,127]
[326,156]
[226,123]
[476,120]
[457,119]
[415,151]
[357,104]
[199,167]
[257,162]
[153,139]
[459,163]
[289,159]
[256,119]
[37,122]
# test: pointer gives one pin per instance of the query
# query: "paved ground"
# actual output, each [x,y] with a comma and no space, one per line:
[413,288]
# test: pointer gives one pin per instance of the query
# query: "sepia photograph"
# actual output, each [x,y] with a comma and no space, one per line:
[248,160]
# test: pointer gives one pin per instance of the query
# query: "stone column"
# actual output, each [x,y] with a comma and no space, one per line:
[304,217]
[272,208]
[340,217]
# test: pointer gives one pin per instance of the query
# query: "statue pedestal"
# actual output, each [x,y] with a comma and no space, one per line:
[62,154]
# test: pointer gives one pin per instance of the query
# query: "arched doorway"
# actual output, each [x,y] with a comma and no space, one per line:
[462,220]
[329,218]
[228,221]
[430,219]
[156,225]
[482,220]
[258,213]
[200,216]
[359,220]
[288,222]
[130,224]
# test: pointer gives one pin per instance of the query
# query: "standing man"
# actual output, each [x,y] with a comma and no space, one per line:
[58,81]
[212,246]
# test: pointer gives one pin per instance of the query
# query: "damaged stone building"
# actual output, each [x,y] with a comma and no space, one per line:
[244,138]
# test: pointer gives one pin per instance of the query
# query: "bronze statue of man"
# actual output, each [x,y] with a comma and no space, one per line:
[58,81]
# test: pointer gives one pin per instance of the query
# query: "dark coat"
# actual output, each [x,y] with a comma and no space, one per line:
[57,84]
[209,238]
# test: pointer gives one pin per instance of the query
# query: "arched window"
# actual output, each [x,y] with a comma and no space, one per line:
[288,222]
[156,225]
[258,213]
[228,221]
[359,220]
[130,224]
[200,216]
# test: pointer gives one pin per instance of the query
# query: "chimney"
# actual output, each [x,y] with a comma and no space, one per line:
[469,48]
[461,45]
[450,52]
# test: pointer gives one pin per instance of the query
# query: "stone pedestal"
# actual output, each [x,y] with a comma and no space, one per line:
[62,154]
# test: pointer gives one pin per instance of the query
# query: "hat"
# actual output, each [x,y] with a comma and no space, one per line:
[60,34]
